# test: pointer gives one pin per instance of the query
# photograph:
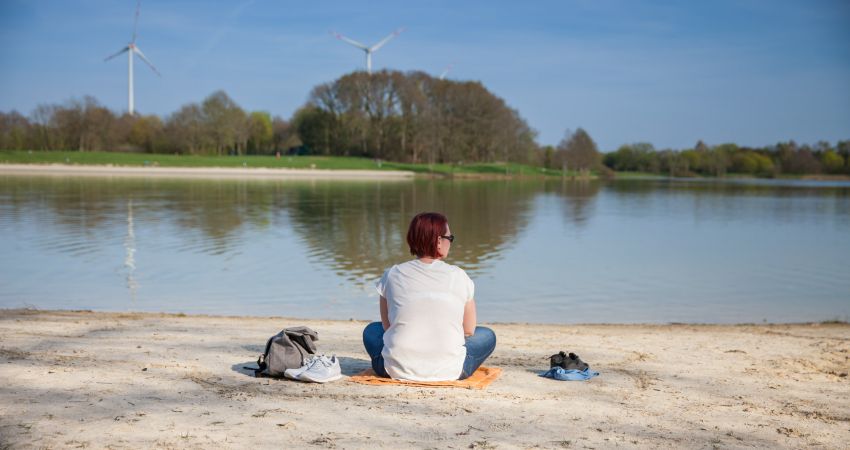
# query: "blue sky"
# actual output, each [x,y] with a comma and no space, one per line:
[665,72]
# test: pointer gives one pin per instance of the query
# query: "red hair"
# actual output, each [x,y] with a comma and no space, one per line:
[424,232]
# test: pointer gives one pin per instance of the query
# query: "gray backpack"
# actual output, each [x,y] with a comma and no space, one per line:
[286,350]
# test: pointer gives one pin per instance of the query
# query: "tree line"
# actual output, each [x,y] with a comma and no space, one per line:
[216,126]
[393,116]
[405,117]
[787,158]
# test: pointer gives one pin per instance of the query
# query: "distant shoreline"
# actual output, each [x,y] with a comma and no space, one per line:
[365,167]
[201,172]
[254,173]
[627,175]
[265,173]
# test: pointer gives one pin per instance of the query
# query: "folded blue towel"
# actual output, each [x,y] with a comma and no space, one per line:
[559,373]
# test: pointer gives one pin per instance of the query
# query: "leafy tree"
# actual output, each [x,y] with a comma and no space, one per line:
[640,157]
[145,132]
[843,149]
[673,163]
[719,158]
[261,132]
[314,128]
[412,117]
[832,162]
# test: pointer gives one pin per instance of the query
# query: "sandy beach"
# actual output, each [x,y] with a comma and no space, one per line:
[134,380]
[258,173]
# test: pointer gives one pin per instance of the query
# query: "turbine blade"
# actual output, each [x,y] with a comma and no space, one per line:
[350,41]
[118,53]
[142,56]
[446,71]
[136,20]
[386,39]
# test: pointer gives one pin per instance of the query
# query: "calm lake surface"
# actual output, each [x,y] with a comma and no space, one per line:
[556,252]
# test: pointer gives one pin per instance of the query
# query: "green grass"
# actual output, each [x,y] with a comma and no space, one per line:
[629,174]
[293,162]
[162,160]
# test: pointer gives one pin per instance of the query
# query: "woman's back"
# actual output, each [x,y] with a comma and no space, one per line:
[428,328]
[425,304]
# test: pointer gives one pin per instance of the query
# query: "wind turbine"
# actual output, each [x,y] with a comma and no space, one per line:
[446,71]
[369,50]
[131,49]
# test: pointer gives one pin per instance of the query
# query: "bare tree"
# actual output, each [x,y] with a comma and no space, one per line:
[43,118]
[284,135]
[577,151]
[224,121]
[15,131]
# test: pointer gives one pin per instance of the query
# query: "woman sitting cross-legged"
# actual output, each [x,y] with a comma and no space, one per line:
[428,328]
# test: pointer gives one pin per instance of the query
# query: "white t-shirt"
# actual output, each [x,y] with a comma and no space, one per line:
[425,341]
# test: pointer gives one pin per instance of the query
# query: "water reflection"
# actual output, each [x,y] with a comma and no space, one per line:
[130,259]
[622,251]
[356,228]
[769,201]
[579,199]
[359,229]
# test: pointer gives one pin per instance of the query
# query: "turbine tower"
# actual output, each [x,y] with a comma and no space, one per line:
[369,50]
[131,49]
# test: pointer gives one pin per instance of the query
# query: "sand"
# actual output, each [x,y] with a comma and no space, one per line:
[201,172]
[127,380]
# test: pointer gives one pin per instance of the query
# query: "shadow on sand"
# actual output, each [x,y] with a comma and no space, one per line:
[349,366]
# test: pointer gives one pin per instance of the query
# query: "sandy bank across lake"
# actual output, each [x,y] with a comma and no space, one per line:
[127,380]
[257,173]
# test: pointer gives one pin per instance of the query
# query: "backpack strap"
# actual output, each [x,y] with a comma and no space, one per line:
[261,361]
[261,366]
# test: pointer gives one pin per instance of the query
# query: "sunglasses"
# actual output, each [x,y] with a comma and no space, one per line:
[450,237]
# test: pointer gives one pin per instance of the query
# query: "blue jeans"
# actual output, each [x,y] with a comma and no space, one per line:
[478,347]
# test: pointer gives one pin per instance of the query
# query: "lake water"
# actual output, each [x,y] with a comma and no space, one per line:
[558,252]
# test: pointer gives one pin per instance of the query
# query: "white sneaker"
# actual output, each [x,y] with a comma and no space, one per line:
[307,363]
[322,370]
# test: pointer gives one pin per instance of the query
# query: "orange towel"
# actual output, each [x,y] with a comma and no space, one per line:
[479,380]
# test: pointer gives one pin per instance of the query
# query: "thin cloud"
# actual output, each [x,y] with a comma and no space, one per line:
[217,36]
